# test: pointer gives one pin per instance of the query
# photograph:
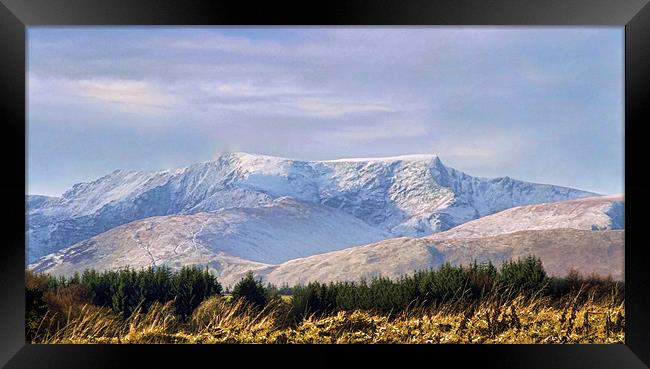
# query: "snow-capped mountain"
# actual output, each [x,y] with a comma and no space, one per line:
[585,234]
[290,241]
[282,230]
[407,195]
[589,213]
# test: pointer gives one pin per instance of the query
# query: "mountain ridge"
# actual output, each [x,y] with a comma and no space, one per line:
[321,242]
[410,195]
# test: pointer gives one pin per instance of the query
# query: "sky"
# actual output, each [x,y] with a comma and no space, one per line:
[541,104]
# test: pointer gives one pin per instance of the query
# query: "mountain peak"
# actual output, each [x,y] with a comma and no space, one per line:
[408,157]
[246,156]
[411,157]
[412,195]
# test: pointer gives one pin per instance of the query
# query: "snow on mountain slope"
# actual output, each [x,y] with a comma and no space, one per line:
[574,233]
[409,195]
[600,252]
[590,213]
[250,237]
[286,229]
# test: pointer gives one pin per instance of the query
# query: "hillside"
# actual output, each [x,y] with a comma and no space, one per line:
[284,229]
[583,234]
[407,195]
[600,252]
[293,241]
[590,213]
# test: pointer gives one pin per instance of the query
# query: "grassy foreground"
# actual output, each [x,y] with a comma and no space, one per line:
[498,318]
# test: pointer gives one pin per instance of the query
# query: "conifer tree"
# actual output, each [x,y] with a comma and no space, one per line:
[251,290]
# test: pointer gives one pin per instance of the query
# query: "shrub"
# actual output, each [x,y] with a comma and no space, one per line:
[35,310]
[51,298]
[592,286]
[37,281]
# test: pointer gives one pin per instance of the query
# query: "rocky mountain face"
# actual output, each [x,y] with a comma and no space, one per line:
[401,196]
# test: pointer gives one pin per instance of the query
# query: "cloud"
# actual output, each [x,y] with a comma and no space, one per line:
[250,89]
[133,94]
[333,108]
[221,43]
[109,95]
[284,99]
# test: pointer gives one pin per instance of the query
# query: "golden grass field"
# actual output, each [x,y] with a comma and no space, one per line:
[219,320]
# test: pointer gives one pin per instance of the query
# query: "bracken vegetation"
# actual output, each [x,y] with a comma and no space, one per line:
[516,303]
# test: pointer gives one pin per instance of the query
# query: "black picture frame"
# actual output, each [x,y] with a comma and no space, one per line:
[16,15]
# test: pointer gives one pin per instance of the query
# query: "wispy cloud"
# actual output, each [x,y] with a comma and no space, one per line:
[248,89]
[133,94]
[285,99]
[221,43]
[333,108]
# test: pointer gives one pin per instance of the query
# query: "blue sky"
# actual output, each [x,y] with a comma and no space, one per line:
[542,104]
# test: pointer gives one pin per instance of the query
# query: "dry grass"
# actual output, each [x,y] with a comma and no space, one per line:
[498,319]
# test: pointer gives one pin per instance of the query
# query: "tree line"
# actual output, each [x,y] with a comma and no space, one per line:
[125,290]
